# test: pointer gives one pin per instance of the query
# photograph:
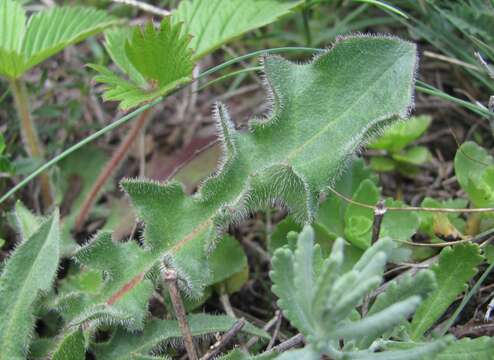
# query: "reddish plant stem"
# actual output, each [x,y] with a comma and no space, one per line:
[111,166]
[30,136]
[170,277]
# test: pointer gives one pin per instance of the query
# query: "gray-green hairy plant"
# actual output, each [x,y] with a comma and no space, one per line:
[320,301]
[322,112]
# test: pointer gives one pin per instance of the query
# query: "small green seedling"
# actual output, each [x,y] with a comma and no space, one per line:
[399,155]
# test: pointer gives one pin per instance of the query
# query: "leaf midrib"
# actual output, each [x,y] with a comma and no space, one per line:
[314,137]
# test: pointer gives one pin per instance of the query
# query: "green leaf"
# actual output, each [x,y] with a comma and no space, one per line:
[282,275]
[456,266]
[382,164]
[156,60]
[212,23]
[421,285]
[306,353]
[157,333]
[12,29]
[30,270]
[72,347]
[227,260]
[478,349]
[332,211]
[376,324]
[474,169]
[181,230]
[23,46]
[358,220]
[52,30]
[440,225]
[416,155]
[27,223]
[399,225]
[12,25]
[401,134]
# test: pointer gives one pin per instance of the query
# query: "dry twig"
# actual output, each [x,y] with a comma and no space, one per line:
[170,277]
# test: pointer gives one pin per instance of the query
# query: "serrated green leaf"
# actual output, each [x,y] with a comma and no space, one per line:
[212,23]
[156,60]
[123,346]
[401,134]
[12,25]
[115,42]
[474,169]
[72,347]
[161,55]
[456,266]
[52,30]
[29,271]
[254,173]
[23,46]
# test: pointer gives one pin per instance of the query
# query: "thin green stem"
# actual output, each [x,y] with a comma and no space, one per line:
[305,19]
[77,146]
[30,136]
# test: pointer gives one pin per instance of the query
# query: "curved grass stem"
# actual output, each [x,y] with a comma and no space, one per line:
[30,137]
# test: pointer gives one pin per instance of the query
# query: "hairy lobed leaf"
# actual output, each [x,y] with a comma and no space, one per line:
[330,105]
[30,270]
[456,266]
[72,347]
[22,46]
[215,22]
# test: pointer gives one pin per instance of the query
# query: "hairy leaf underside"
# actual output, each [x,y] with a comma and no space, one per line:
[322,112]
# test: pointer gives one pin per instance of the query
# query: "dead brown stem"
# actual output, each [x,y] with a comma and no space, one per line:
[225,340]
[170,277]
